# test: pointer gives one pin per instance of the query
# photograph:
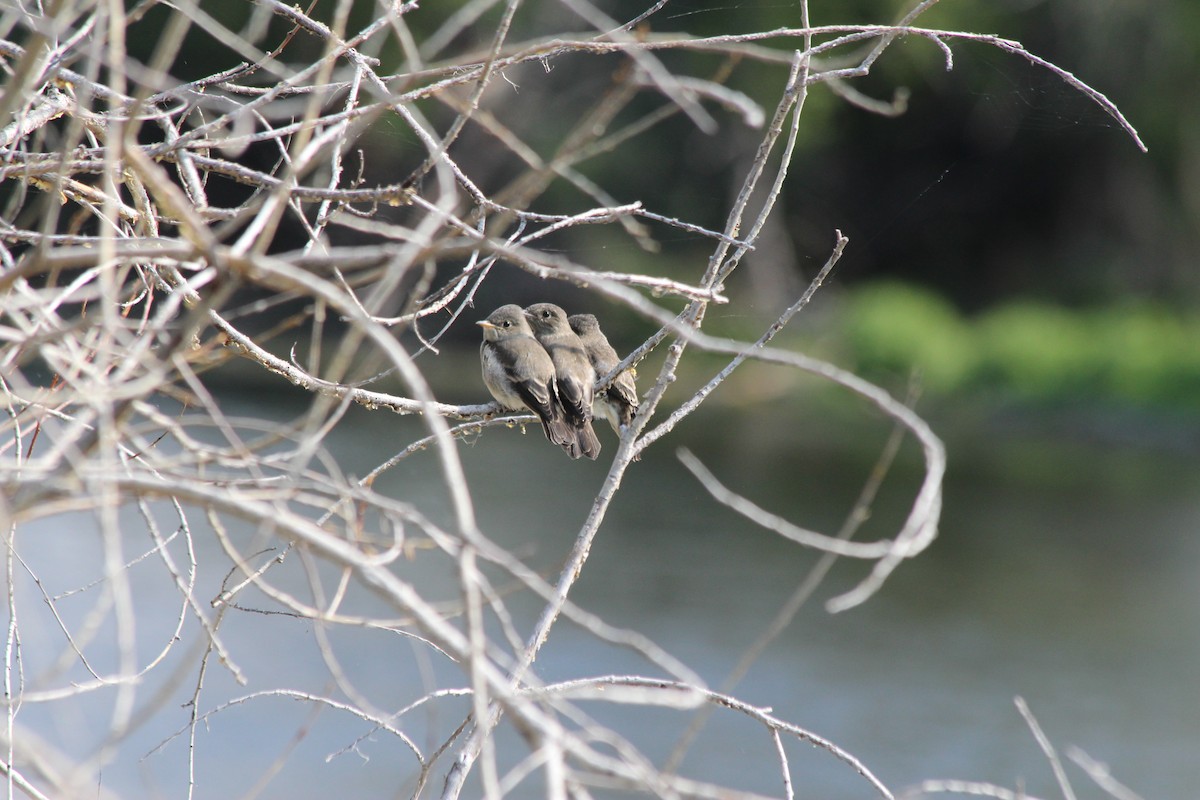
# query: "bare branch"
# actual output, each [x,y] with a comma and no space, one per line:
[310,217]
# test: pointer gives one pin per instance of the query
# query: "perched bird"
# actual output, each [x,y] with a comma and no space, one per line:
[573,370]
[619,402]
[520,375]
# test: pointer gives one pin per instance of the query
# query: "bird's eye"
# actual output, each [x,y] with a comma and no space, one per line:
[507,323]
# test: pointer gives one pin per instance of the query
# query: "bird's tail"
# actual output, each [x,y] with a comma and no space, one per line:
[559,432]
[586,441]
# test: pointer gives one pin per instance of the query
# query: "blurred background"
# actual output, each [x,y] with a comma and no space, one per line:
[1007,238]
[1012,247]
[1013,252]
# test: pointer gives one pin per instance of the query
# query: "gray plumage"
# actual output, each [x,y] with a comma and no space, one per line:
[572,369]
[618,403]
[520,375]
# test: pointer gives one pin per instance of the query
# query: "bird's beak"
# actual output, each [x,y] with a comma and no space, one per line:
[483,323]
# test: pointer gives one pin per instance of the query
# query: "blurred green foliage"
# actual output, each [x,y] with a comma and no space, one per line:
[1140,353]
[897,327]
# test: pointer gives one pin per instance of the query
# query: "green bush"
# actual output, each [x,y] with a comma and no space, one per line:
[1039,349]
[895,328]
[1141,354]
[1154,356]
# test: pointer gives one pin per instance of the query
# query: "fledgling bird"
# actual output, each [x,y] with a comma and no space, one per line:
[619,402]
[574,372]
[520,375]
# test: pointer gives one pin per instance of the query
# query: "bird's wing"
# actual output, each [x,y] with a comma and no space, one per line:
[538,391]
[537,396]
[576,395]
[532,382]
[625,389]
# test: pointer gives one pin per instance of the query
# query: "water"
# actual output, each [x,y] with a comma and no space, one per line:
[1065,573]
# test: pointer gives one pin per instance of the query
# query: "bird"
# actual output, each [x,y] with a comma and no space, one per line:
[574,372]
[619,401]
[520,375]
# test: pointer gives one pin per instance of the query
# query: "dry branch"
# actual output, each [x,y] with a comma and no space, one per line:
[154,229]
